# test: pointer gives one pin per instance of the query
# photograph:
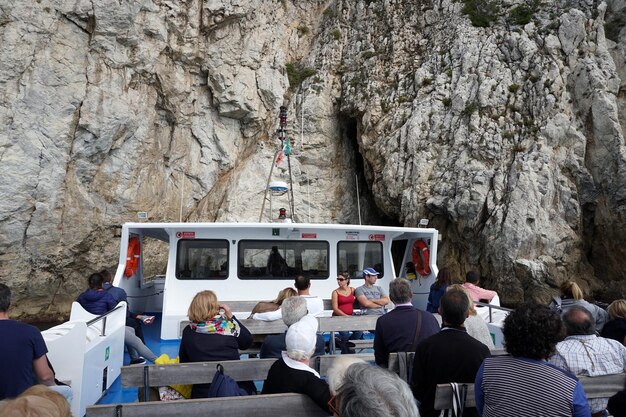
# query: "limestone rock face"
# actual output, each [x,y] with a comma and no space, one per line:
[508,137]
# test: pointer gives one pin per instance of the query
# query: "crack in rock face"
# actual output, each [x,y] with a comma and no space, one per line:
[503,128]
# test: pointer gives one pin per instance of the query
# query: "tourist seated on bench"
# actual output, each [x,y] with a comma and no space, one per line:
[293,309]
[292,373]
[96,300]
[371,391]
[524,384]
[265,306]
[38,400]
[212,336]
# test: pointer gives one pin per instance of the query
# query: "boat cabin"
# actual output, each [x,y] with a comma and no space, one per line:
[254,261]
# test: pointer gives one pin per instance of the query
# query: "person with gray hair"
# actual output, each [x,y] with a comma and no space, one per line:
[292,310]
[584,353]
[337,371]
[404,327]
[370,391]
[292,373]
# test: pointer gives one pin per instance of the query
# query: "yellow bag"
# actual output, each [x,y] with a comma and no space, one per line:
[184,390]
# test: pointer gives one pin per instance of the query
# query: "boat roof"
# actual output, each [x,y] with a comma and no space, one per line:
[156,230]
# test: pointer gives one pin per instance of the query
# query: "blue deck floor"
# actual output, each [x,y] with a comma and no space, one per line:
[116,393]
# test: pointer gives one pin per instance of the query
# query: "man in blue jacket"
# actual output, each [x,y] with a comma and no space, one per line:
[404,327]
[95,299]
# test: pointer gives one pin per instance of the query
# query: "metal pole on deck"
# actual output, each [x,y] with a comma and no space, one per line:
[358,198]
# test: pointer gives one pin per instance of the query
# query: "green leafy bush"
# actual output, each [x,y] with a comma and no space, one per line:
[330,12]
[297,73]
[482,13]
[368,54]
[303,30]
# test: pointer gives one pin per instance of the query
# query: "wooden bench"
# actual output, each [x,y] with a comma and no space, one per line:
[296,405]
[149,376]
[595,387]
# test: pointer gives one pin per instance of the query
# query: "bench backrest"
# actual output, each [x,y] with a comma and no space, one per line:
[325,324]
[194,372]
[595,387]
[296,405]
[203,372]
[247,306]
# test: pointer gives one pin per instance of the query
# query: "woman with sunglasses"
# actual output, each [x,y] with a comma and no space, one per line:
[343,305]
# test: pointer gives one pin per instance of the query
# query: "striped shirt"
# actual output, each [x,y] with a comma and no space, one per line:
[592,356]
[522,387]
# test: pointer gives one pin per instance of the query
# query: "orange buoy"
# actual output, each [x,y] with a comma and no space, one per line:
[132,256]
[421,257]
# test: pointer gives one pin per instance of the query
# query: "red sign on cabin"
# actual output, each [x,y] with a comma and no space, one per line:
[186,235]
[376,237]
[309,235]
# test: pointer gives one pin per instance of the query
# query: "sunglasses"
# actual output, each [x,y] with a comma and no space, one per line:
[341,279]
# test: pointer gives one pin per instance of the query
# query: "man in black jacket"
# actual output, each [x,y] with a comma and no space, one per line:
[449,356]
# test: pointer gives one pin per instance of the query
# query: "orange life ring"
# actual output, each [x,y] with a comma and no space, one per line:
[132,256]
[421,258]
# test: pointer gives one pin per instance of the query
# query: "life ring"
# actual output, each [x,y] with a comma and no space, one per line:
[421,258]
[132,256]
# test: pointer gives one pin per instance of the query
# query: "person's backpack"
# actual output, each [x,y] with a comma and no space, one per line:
[224,386]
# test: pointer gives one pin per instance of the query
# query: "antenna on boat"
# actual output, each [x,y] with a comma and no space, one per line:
[358,197]
[182,188]
[279,188]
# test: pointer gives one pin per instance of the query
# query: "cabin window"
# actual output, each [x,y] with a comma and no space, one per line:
[202,259]
[354,256]
[282,259]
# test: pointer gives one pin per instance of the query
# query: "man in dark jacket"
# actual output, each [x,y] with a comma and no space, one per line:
[96,300]
[404,327]
[449,356]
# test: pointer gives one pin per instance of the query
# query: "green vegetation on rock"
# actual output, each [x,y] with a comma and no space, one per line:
[298,73]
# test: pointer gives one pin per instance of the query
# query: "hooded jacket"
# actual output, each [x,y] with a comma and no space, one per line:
[96,301]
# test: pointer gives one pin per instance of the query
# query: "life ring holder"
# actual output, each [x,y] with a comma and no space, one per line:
[421,258]
[132,256]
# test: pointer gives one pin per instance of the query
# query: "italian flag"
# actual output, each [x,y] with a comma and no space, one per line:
[285,151]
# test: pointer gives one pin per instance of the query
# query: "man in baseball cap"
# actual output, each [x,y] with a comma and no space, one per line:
[370,296]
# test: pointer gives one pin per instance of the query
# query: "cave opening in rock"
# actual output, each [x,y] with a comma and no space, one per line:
[370,213]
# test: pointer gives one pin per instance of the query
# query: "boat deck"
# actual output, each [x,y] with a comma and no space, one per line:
[118,394]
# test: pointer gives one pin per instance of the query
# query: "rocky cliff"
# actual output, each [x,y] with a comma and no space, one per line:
[500,121]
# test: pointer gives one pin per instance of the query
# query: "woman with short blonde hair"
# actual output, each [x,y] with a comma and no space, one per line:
[214,334]
[203,306]
[616,328]
[59,401]
[572,295]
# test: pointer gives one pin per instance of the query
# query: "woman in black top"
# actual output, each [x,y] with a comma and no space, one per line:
[212,336]
[291,373]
